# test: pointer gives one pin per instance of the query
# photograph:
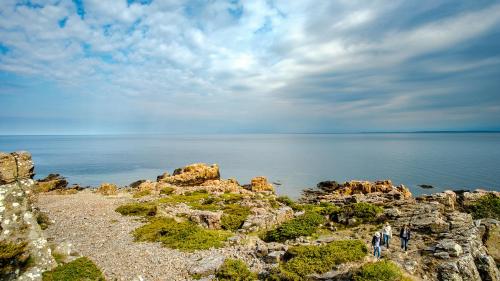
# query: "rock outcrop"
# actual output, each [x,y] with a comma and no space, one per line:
[107,189]
[260,184]
[51,182]
[16,165]
[191,175]
[378,192]
[25,252]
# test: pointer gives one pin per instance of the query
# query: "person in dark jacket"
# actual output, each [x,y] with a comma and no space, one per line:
[405,235]
[376,245]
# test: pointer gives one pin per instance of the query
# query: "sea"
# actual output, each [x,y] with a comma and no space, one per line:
[292,162]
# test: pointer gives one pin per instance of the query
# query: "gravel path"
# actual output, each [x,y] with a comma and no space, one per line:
[88,221]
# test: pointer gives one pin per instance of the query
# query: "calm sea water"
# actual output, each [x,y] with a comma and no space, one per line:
[447,160]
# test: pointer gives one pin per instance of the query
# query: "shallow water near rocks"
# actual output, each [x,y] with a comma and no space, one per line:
[297,161]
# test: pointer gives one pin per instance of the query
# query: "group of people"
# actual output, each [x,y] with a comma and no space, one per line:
[383,240]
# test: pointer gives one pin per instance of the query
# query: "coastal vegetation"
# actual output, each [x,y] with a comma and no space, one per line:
[486,207]
[81,269]
[185,236]
[381,270]
[301,261]
[303,225]
[12,255]
[138,209]
[233,269]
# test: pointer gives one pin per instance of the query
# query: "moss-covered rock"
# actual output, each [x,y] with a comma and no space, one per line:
[81,269]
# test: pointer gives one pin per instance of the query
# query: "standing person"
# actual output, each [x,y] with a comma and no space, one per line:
[387,234]
[405,234]
[376,245]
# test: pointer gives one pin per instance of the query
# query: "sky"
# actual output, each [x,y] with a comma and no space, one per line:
[270,66]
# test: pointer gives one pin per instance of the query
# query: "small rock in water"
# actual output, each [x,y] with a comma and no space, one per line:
[426,186]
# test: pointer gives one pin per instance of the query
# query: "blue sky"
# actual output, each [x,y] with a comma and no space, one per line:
[151,66]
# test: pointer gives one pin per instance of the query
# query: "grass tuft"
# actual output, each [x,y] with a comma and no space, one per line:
[81,269]
[185,236]
[233,269]
[137,209]
[381,270]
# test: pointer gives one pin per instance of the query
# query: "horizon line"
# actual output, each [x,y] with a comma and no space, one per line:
[270,133]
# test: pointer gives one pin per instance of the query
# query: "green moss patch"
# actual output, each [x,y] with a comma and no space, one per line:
[486,207]
[81,269]
[12,255]
[234,216]
[364,212]
[167,190]
[233,269]
[185,236]
[137,209]
[302,261]
[381,270]
[142,193]
[303,225]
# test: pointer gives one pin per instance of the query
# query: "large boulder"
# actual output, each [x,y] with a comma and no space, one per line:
[16,165]
[191,175]
[107,189]
[24,252]
[260,184]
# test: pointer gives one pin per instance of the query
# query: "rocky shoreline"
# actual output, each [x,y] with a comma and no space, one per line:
[192,224]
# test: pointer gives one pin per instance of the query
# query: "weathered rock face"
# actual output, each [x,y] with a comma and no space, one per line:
[18,225]
[260,184]
[194,174]
[207,219]
[108,189]
[15,165]
[51,182]
[262,218]
[378,192]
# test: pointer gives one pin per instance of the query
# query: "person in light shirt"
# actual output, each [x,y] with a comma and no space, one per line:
[386,234]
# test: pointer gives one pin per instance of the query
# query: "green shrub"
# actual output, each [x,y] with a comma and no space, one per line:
[234,216]
[303,225]
[290,203]
[234,270]
[137,209]
[167,190]
[81,269]
[378,271]
[363,211]
[12,255]
[486,207]
[142,193]
[306,260]
[185,236]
